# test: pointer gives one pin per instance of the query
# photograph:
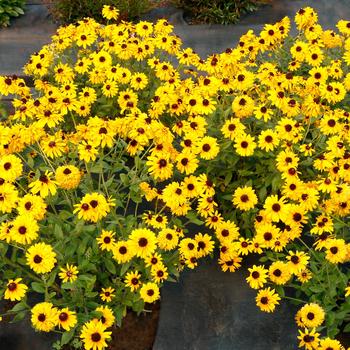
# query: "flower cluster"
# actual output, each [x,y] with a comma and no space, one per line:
[134,158]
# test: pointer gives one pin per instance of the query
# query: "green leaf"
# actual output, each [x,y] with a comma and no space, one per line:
[125,267]
[58,232]
[192,217]
[19,317]
[110,267]
[67,336]
[20,307]
[38,287]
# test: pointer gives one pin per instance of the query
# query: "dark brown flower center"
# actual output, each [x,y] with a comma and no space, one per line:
[38,259]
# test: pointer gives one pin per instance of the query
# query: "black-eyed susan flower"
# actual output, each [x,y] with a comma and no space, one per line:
[106,240]
[275,207]
[304,276]
[257,276]
[336,251]
[244,198]
[107,294]
[205,244]
[187,162]
[312,315]
[44,185]
[267,299]
[32,205]
[160,167]
[149,292]
[268,140]
[15,290]
[110,12]
[44,317]
[94,335]
[308,338]
[230,262]
[68,177]
[159,273]
[227,231]
[245,145]
[279,273]
[232,128]
[330,344]
[8,197]
[143,241]
[153,260]
[41,258]
[11,167]
[93,207]
[168,239]
[24,230]
[133,280]
[66,319]
[107,318]
[123,252]
[68,273]
[297,261]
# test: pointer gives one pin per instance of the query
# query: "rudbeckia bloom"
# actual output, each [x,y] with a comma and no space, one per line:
[245,198]
[15,290]
[66,319]
[94,335]
[44,317]
[149,292]
[41,258]
[267,299]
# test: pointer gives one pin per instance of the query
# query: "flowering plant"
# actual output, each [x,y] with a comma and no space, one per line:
[118,150]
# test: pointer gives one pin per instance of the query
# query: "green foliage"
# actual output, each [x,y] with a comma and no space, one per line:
[68,11]
[10,8]
[218,11]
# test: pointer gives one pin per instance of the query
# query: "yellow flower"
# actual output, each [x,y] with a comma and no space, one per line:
[143,241]
[32,205]
[68,177]
[267,299]
[106,240]
[11,167]
[93,207]
[44,185]
[94,335]
[297,261]
[9,197]
[279,273]
[107,294]
[110,12]
[44,317]
[67,319]
[308,339]
[24,229]
[245,145]
[149,292]
[68,274]
[133,280]
[257,276]
[312,315]
[15,290]
[107,318]
[41,258]
[244,198]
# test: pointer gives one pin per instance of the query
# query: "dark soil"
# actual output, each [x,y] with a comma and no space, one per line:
[137,332]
